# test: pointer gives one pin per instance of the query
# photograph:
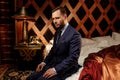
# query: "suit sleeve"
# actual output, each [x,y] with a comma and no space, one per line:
[49,56]
[51,53]
[74,52]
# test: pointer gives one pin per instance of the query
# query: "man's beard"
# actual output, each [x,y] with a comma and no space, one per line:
[61,27]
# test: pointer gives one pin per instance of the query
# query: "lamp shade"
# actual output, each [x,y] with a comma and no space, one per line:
[22,13]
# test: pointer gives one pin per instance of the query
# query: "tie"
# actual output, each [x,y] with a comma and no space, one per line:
[58,35]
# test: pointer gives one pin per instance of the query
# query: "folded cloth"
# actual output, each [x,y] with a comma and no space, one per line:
[102,65]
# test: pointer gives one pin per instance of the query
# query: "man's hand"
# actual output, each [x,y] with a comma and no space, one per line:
[40,67]
[49,73]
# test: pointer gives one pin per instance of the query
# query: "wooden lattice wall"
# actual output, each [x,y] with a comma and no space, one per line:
[90,17]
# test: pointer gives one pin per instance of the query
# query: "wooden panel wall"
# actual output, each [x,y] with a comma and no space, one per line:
[90,17]
[7,34]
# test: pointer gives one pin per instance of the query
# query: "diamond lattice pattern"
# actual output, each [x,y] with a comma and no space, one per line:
[90,17]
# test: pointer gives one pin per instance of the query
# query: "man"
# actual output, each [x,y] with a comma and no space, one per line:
[62,60]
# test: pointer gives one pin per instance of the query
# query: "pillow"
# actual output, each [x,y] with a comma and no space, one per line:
[115,42]
[48,47]
[103,40]
[86,41]
[85,50]
[116,36]
[102,44]
[98,39]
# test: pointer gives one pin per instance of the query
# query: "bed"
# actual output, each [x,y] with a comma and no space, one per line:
[96,45]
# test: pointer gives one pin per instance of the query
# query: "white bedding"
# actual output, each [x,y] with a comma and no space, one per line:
[92,45]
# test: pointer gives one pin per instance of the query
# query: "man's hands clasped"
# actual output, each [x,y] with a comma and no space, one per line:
[48,73]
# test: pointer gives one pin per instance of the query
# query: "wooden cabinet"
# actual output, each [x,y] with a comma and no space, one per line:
[28,52]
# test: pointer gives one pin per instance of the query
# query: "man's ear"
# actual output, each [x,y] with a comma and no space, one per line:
[65,16]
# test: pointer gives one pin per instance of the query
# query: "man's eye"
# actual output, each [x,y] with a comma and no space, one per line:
[57,17]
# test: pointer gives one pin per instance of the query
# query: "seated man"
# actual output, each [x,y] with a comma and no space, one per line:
[62,60]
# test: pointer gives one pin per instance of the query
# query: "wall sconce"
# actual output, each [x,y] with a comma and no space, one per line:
[22,15]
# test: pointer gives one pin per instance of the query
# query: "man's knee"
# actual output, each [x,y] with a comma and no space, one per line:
[33,76]
[41,78]
[53,78]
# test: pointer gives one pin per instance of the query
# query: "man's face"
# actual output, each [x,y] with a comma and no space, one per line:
[58,19]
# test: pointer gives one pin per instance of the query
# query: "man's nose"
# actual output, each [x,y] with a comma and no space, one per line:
[54,21]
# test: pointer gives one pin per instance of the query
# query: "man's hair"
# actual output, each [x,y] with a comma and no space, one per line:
[62,10]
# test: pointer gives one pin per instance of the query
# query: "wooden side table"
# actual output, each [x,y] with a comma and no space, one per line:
[28,51]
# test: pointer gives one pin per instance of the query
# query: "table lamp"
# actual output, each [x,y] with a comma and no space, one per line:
[22,15]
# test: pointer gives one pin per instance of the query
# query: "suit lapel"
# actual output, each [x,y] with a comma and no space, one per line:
[62,38]
[65,34]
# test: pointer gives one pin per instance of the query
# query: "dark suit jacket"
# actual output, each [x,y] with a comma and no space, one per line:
[64,55]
